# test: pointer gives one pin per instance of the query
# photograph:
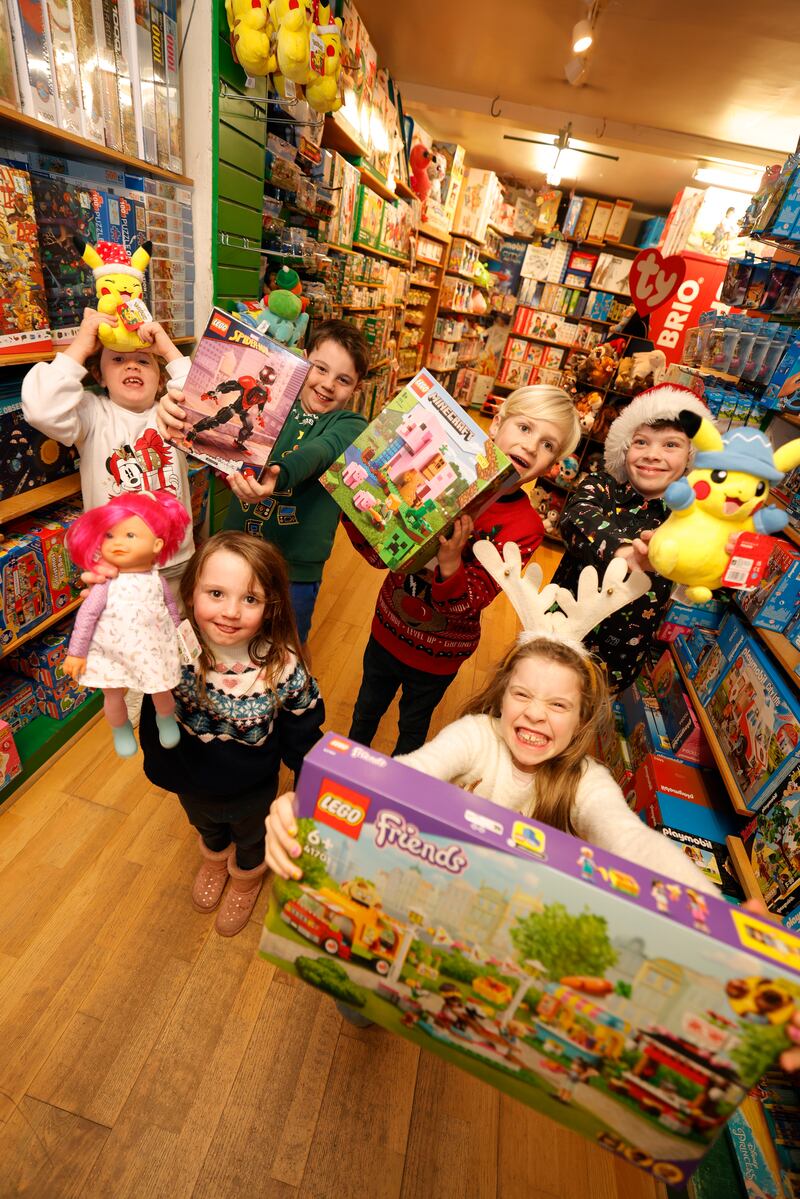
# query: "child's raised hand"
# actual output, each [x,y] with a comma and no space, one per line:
[451,548]
[74,667]
[86,340]
[154,335]
[250,490]
[102,572]
[170,416]
[282,844]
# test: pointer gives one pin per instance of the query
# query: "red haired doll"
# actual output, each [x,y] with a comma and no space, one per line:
[124,634]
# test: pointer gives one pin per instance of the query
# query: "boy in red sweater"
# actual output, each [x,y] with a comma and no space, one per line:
[426,624]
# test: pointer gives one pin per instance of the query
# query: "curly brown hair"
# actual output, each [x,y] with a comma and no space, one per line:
[277,637]
[555,783]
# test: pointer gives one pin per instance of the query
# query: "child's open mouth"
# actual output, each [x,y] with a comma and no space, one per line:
[132,381]
[520,462]
[531,739]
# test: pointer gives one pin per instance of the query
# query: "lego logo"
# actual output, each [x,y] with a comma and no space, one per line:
[341,747]
[341,810]
[220,325]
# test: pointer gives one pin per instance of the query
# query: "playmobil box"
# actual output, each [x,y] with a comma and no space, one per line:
[692,648]
[773,603]
[419,465]
[667,793]
[756,717]
[17,701]
[732,636]
[619,1003]
[24,593]
[711,857]
[10,765]
[237,395]
[772,843]
[686,738]
[681,618]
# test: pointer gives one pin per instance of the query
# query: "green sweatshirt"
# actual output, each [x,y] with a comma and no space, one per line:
[300,518]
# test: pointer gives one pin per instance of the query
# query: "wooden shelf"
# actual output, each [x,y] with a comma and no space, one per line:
[438,234]
[429,262]
[50,137]
[560,345]
[52,619]
[782,650]
[404,191]
[337,135]
[376,183]
[361,308]
[39,497]
[360,248]
[419,283]
[717,751]
[466,237]
[743,869]
[377,365]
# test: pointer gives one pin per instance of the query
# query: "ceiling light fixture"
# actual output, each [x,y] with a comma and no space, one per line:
[576,70]
[735,176]
[582,36]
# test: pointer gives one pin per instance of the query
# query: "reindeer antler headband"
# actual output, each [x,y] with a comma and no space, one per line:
[578,616]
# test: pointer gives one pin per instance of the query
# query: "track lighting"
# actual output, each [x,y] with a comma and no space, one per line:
[576,70]
[582,36]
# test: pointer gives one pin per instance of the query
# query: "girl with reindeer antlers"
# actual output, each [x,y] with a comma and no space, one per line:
[525,740]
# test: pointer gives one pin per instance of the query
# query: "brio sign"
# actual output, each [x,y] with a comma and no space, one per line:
[697,292]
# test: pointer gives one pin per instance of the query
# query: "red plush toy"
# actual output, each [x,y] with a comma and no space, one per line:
[419,161]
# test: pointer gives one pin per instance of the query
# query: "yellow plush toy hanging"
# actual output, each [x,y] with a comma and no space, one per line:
[723,495]
[325,62]
[292,20]
[251,33]
[118,282]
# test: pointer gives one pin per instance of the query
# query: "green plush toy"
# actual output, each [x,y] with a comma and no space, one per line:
[282,317]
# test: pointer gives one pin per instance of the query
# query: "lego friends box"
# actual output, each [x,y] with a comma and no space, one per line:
[621,1004]
[237,395]
[418,466]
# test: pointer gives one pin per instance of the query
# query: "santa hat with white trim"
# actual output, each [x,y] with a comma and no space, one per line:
[665,401]
[111,258]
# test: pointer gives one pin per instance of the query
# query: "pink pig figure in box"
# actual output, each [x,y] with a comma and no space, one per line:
[124,634]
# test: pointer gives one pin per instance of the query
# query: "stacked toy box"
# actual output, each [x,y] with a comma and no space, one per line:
[538,963]
[10,765]
[416,468]
[42,661]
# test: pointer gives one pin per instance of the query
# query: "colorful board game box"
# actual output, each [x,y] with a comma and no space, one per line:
[418,466]
[63,208]
[772,844]
[10,765]
[238,394]
[24,594]
[24,323]
[17,701]
[42,658]
[619,1003]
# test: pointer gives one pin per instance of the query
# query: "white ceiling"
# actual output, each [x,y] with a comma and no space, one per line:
[669,85]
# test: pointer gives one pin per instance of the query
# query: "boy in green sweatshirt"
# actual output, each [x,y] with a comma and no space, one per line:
[289,506]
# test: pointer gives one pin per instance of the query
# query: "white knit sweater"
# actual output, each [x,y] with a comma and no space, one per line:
[472,754]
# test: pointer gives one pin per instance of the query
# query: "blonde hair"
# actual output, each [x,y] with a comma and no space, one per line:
[555,784]
[541,402]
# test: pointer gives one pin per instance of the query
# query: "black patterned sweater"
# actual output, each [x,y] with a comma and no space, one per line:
[601,516]
[235,737]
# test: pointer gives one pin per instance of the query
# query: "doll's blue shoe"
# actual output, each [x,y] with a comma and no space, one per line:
[124,741]
[169,734]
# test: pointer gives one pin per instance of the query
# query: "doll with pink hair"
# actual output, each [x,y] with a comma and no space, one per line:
[124,635]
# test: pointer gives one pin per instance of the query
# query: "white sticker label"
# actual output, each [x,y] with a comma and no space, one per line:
[189,647]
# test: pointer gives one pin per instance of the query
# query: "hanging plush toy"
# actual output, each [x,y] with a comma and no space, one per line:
[724,495]
[325,62]
[118,282]
[292,24]
[251,31]
[124,634]
[419,160]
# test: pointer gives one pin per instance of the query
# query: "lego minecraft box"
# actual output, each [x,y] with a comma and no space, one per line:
[625,1006]
[419,465]
[237,395]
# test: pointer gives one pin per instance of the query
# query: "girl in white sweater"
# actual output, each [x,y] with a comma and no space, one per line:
[525,742]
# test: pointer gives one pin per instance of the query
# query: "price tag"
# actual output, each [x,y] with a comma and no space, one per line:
[189,648]
[749,559]
[133,313]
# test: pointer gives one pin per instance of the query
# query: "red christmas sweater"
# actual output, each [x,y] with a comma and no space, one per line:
[434,624]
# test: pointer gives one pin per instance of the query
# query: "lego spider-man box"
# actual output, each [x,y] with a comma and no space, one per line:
[419,465]
[237,395]
[626,1006]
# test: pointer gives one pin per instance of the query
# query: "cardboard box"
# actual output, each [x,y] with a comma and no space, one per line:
[772,843]
[42,658]
[369,217]
[732,636]
[672,794]
[24,591]
[711,857]
[515,951]
[235,412]
[681,618]
[773,603]
[413,470]
[17,702]
[10,765]
[63,577]
[756,717]
[60,702]
[686,738]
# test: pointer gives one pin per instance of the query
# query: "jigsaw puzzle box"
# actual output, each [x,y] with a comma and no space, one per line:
[625,1006]
[419,465]
[237,395]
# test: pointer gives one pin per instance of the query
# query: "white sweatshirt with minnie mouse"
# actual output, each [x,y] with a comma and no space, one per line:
[119,450]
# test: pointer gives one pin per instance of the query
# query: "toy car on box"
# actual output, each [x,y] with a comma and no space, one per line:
[529,958]
[407,477]
[237,395]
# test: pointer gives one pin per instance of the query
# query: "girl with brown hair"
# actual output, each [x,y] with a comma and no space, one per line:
[245,705]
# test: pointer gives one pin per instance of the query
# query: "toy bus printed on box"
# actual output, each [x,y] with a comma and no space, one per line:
[543,965]
[418,466]
[237,395]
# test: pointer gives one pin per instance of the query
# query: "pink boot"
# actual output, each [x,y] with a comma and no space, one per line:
[240,898]
[210,879]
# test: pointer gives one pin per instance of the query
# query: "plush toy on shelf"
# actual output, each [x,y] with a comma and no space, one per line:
[419,160]
[640,371]
[322,90]
[292,23]
[118,280]
[587,405]
[251,30]
[281,314]
[564,471]
[125,632]
[598,366]
[722,496]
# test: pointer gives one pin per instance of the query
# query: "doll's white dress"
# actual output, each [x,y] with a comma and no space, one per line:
[134,642]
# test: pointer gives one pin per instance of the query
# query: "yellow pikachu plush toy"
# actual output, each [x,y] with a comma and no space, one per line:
[118,282]
[722,496]
[251,30]
[325,63]
[292,20]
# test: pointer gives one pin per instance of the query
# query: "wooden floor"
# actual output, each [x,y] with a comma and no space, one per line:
[143,1055]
